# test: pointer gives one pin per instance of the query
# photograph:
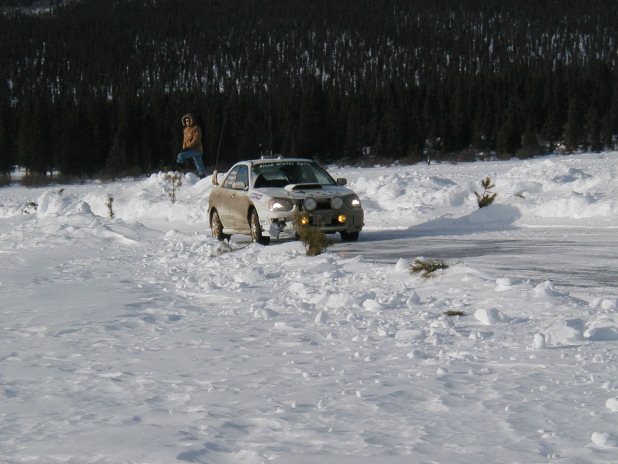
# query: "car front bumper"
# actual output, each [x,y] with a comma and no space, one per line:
[281,225]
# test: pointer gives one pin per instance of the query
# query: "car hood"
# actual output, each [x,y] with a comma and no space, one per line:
[301,191]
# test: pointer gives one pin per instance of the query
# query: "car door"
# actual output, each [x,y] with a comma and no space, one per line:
[224,199]
[233,199]
[239,199]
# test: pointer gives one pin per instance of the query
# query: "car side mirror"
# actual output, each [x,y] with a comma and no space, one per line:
[215,181]
[342,181]
[239,185]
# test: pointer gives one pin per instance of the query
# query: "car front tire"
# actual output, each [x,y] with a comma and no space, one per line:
[256,229]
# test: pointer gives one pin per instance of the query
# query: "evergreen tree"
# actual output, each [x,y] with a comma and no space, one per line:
[574,130]
[508,139]
[25,146]
[6,154]
[322,78]
[593,130]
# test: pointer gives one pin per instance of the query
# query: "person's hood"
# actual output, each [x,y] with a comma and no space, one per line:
[190,116]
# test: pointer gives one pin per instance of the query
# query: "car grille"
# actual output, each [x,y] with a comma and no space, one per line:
[322,205]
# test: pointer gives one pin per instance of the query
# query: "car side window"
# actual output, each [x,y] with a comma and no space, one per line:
[231,177]
[243,175]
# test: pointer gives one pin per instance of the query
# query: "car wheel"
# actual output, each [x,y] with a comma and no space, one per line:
[349,236]
[256,229]
[217,227]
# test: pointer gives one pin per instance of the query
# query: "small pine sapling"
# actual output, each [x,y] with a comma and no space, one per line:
[487,197]
[109,203]
[315,240]
[427,267]
[173,183]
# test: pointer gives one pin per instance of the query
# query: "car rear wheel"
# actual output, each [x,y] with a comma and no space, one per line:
[349,236]
[256,229]
[216,226]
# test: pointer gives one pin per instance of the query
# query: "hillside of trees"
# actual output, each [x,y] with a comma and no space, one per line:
[96,87]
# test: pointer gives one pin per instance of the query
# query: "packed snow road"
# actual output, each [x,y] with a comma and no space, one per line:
[574,259]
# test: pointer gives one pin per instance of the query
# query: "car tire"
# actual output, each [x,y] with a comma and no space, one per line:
[256,229]
[216,226]
[349,236]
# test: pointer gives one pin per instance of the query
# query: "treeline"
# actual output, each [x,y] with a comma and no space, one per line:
[97,87]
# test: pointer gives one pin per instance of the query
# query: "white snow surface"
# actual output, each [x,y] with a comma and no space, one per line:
[141,339]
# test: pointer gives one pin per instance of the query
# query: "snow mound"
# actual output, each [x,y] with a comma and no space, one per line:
[490,316]
[612,404]
[565,333]
[605,439]
[602,330]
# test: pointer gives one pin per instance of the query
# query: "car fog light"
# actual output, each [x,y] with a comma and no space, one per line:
[304,221]
[310,204]
[336,203]
[342,218]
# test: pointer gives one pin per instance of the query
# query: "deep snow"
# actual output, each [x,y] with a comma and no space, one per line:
[141,339]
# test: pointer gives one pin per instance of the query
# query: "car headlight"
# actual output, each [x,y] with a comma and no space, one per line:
[310,204]
[353,202]
[336,203]
[280,204]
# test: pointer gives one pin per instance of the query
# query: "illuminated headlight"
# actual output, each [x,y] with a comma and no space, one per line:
[336,203]
[310,204]
[353,202]
[280,204]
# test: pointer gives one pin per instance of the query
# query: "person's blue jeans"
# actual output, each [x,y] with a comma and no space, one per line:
[197,158]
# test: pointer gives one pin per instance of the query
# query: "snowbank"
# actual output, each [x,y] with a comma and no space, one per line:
[140,338]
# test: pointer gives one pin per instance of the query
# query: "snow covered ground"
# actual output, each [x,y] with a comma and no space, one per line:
[141,339]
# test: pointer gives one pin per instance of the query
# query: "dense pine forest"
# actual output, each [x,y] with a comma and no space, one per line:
[91,87]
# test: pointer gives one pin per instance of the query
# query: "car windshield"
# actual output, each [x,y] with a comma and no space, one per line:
[280,174]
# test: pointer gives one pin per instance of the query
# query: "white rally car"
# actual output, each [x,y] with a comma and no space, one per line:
[270,198]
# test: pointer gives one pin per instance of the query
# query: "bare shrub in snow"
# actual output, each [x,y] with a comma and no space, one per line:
[30,207]
[426,268]
[453,313]
[487,197]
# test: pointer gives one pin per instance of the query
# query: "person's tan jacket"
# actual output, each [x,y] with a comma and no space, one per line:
[192,135]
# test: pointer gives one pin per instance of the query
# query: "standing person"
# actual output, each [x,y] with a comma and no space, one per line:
[192,144]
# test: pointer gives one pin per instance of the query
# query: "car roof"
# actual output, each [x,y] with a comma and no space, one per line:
[279,160]
[256,162]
